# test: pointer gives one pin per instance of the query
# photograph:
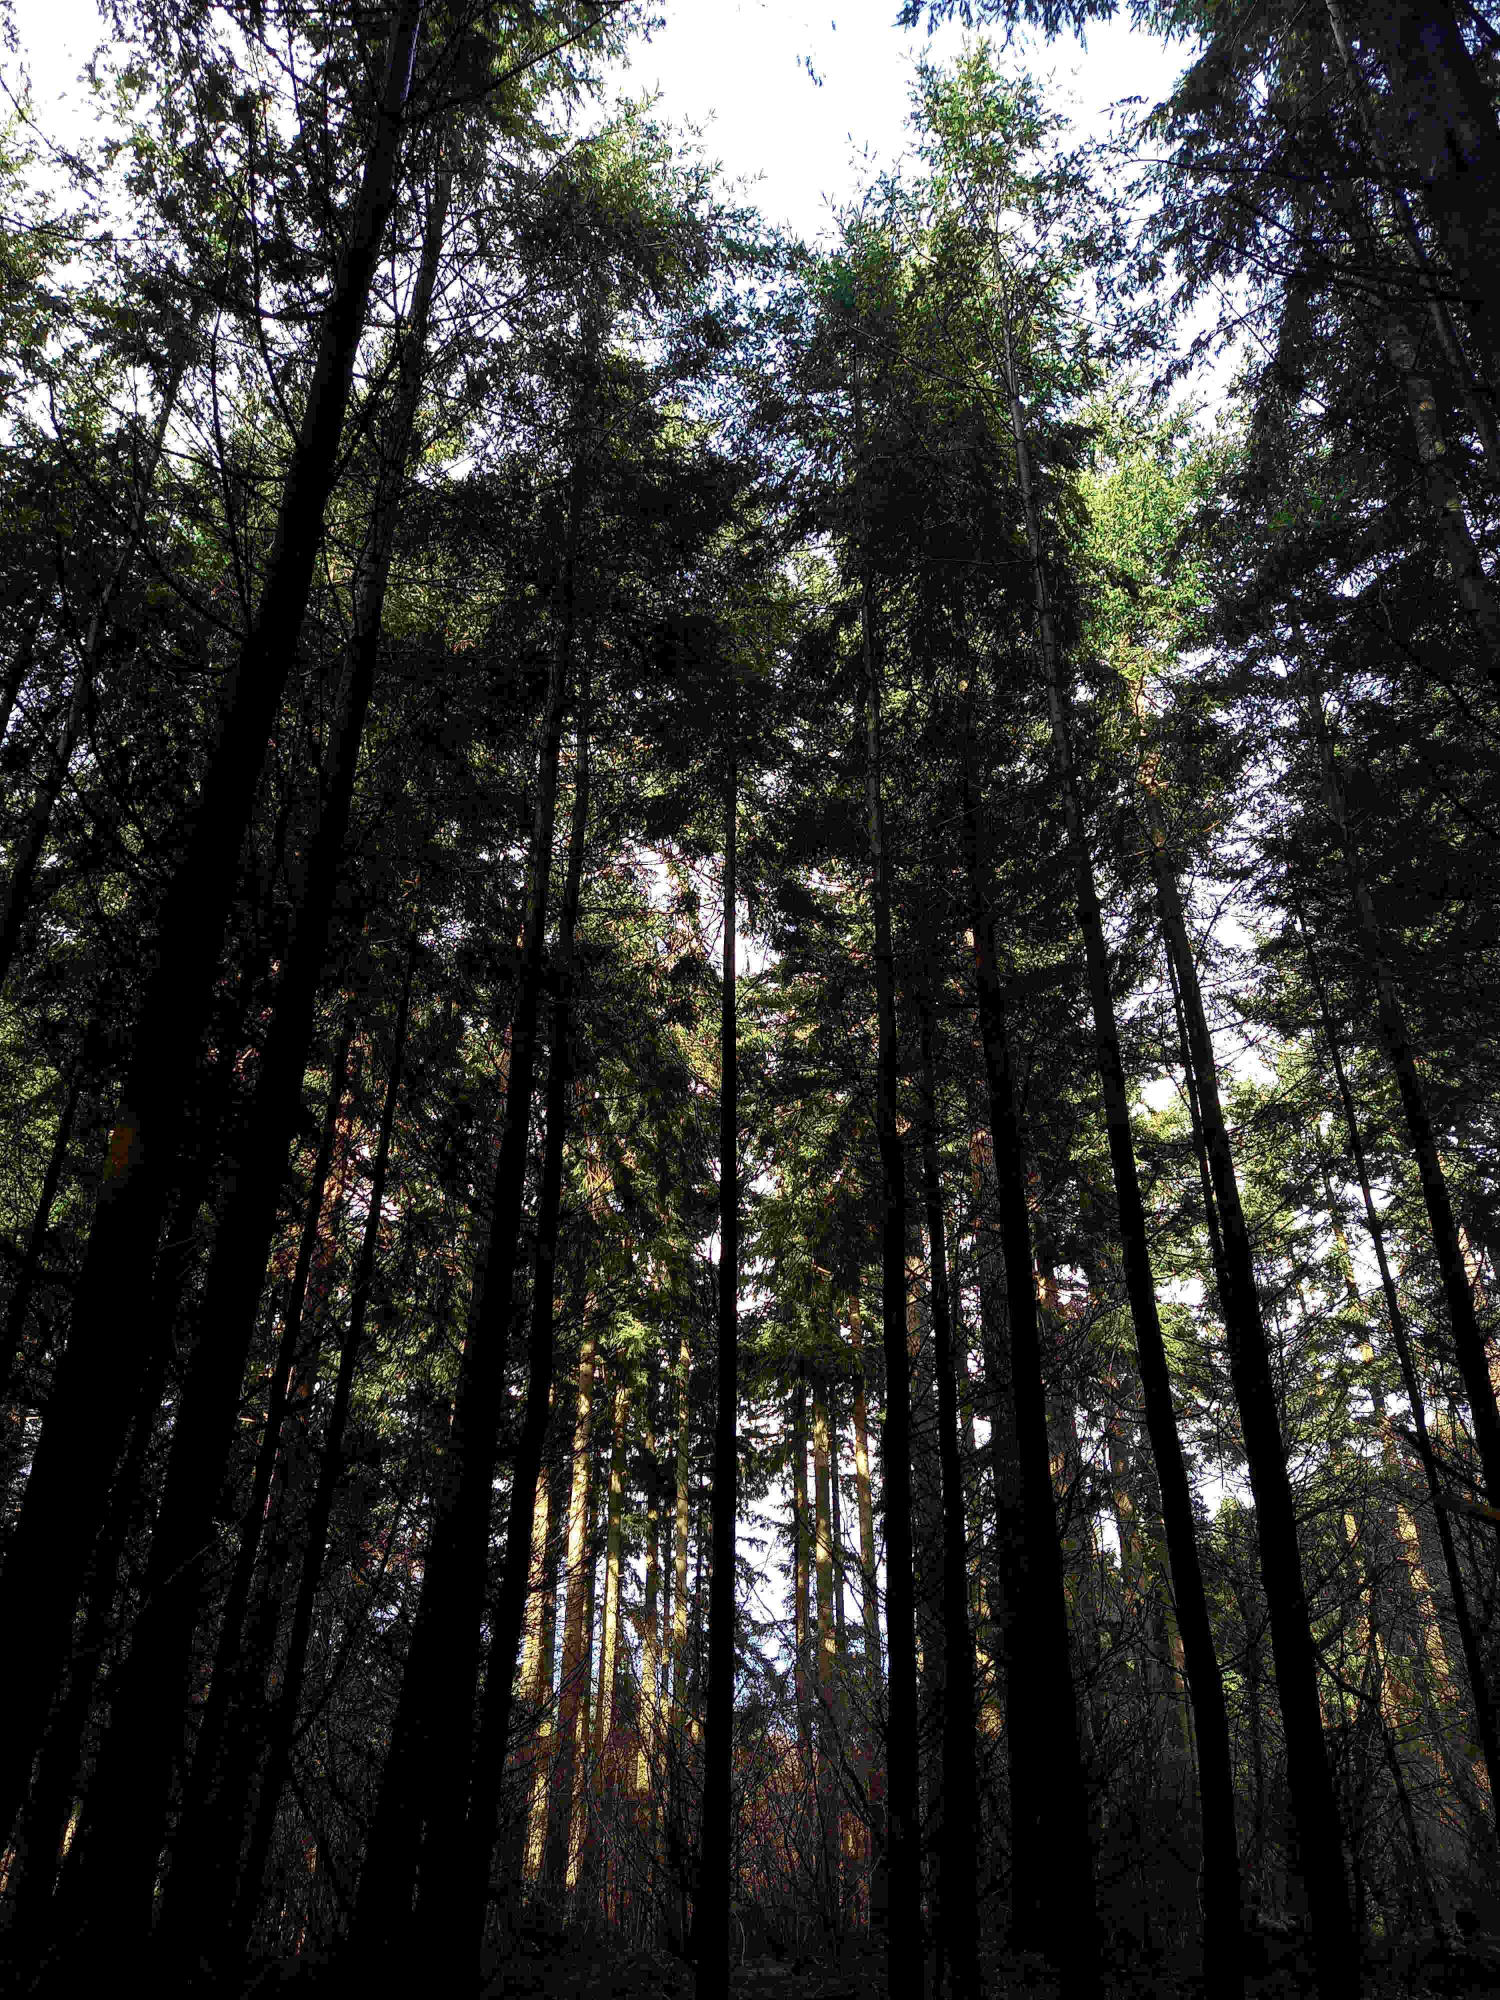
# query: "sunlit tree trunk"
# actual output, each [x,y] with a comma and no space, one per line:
[577,1665]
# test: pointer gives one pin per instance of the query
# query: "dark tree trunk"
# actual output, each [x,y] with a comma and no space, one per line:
[1319,1836]
[1052,1889]
[1223,1952]
[958,1901]
[716,1860]
[1446,126]
[456,1862]
[1484,1706]
[128,1799]
[905,1954]
[432,1742]
[212,1926]
[211,1824]
[1395,1041]
[128,1805]
[92,1399]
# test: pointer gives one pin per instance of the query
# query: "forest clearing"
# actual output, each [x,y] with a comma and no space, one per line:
[749,1005]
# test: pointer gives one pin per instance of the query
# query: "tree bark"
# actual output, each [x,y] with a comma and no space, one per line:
[959,1830]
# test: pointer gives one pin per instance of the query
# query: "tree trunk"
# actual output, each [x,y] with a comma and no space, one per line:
[1478,399]
[147,1712]
[869,1599]
[1308,1774]
[89,1410]
[959,1829]
[213,1811]
[576,1669]
[828,1734]
[424,1791]
[905,1961]
[221,1912]
[1052,1891]
[716,1857]
[455,1883]
[1223,1947]
[1468,1336]
[801,1571]
[1447,130]
[1479,1687]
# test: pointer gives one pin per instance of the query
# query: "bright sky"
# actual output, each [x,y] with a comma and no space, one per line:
[744,70]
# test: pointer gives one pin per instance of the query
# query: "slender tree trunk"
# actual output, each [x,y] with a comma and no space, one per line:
[609,1637]
[1309,1778]
[1223,1949]
[681,1520]
[1395,1040]
[1005,1464]
[424,1791]
[221,1913]
[576,1669]
[1052,1893]
[545,1693]
[959,1835]
[869,1600]
[89,1410]
[716,1856]
[649,1727]
[906,1977]
[801,1570]
[456,1881]
[212,1817]
[1479,1687]
[212,1823]
[828,1735]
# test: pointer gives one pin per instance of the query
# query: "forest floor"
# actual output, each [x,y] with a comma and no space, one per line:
[1434,1971]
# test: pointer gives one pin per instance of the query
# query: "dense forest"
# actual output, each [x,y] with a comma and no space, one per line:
[748,1212]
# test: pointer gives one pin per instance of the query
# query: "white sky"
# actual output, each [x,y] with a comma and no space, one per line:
[739,68]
